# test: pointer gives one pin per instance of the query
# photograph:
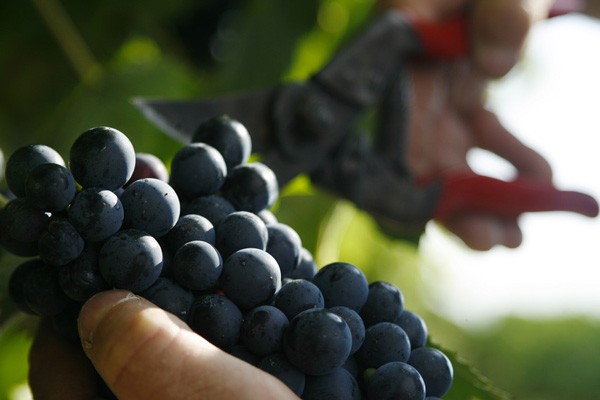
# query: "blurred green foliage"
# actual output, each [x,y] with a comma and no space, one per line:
[66,66]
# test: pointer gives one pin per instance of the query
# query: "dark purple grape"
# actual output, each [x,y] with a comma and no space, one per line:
[435,369]
[197,265]
[298,295]
[50,187]
[148,166]
[250,278]
[60,243]
[351,365]
[241,230]
[188,228]
[96,214]
[396,381]
[240,351]
[81,278]
[306,268]
[150,205]
[102,157]
[217,319]
[337,385]
[212,207]
[415,328]
[342,284]
[355,323]
[251,187]
[130,259]
[384,342]
[284,244]
[385,303]
[197,169]
[22,222]
[16,247]
[262,330]
[267,217]
[228,136]
[317,341]
[24,160]
[277,365]
[16,283]
[170,296]
[42,291]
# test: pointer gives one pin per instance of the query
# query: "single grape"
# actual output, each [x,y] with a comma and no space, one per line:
[337,385]
[197,265]
[42,291]
[60,243]
[240,351]
[81,278]
[228,136]
[351,365]
[170,296]
[284,244]
[251,187]
[96,214]
[435,369]
[16,247]
[16,284]
[50,187]
[385,303]
[188,228]
[148,166]
[298,295]
[150,205]
[355,323]
[250,278]
[306,268]
[317,341]
[267,217]
[277,365]
[241,230]
[197,169]
[102,157]
[342,284]
[217,319]
[415,328]
[24,160]
[396,381]
[21,221]
[130,259]
[262,330]
[212,207]
[384,342]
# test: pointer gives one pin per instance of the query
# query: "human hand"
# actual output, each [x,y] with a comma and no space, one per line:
[448,116]
[141,352]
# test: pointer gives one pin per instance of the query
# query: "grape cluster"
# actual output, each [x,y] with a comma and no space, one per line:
[200,242]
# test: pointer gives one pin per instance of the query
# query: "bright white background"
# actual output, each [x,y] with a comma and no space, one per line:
[552,103]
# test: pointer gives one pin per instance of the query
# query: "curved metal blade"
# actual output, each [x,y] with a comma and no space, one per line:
[180,118]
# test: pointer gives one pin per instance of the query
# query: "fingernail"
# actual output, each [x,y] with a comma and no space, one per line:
[95,309]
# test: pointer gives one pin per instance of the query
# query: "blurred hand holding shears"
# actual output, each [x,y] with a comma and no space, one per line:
[423,67]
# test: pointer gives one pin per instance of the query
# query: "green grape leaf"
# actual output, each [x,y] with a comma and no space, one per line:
[469,383]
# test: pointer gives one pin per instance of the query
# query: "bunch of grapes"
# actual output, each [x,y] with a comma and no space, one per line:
[200,242]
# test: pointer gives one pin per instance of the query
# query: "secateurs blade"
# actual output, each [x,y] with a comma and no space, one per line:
[311,128]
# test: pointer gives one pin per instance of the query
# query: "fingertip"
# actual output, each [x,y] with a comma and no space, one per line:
[499,29]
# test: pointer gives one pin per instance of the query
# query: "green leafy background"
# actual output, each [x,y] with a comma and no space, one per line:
[66,66]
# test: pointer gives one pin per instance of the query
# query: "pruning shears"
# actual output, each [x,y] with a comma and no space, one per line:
[311,128]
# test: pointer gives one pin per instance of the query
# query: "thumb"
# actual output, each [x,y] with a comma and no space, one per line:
[143,352]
